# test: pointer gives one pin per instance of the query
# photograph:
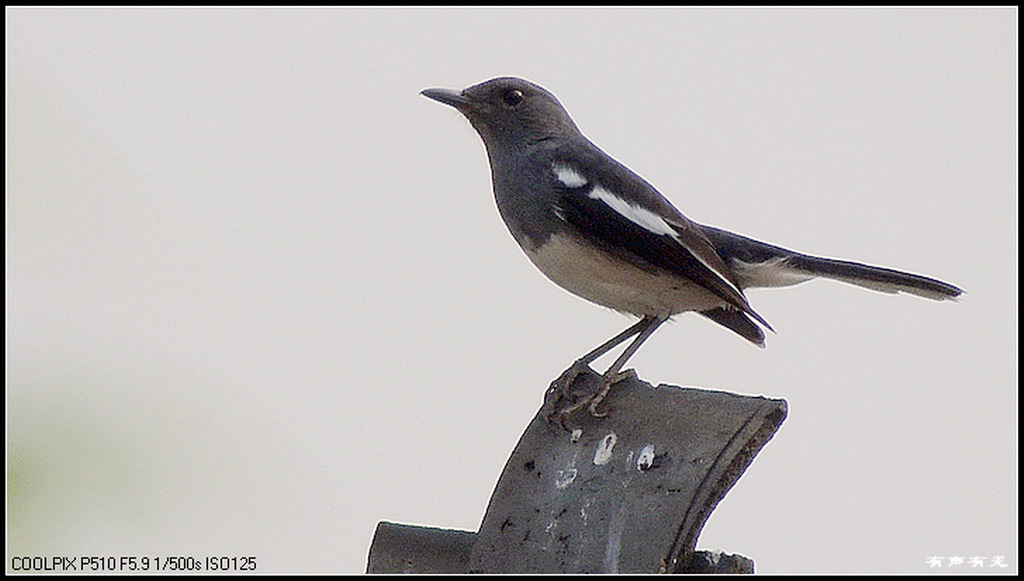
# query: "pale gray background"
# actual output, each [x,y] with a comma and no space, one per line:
[259,297]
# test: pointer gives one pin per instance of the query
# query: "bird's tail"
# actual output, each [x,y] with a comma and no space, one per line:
[876,278]
[759,264]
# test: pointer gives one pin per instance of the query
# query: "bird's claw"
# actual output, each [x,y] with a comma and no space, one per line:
[590,397]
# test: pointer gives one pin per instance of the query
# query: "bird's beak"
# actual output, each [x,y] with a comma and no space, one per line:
[446,96]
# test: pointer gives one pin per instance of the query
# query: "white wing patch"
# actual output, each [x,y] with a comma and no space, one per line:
[653,223]
[634,213]
[568,176]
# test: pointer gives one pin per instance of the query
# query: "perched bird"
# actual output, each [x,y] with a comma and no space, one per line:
[603,233]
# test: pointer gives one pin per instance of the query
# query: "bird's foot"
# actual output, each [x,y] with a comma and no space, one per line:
[580,387]
[565,393]
[563,386]
[606,386]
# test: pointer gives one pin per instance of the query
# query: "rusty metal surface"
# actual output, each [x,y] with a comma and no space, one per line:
[398,548]
[627,493]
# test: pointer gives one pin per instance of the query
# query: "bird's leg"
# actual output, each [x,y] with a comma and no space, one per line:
[614,374]
[644,328]
[565,381]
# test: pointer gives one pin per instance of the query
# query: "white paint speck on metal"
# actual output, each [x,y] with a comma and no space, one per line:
[604,449]
[646,458]
[565,478]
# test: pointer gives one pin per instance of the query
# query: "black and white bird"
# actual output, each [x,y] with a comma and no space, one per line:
[603,233]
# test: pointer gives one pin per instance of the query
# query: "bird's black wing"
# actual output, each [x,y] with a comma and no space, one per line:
[645,236]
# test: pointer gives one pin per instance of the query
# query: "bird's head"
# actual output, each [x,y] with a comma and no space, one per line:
[508,111]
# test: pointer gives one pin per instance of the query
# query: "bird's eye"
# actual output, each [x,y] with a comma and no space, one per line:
[512,97]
